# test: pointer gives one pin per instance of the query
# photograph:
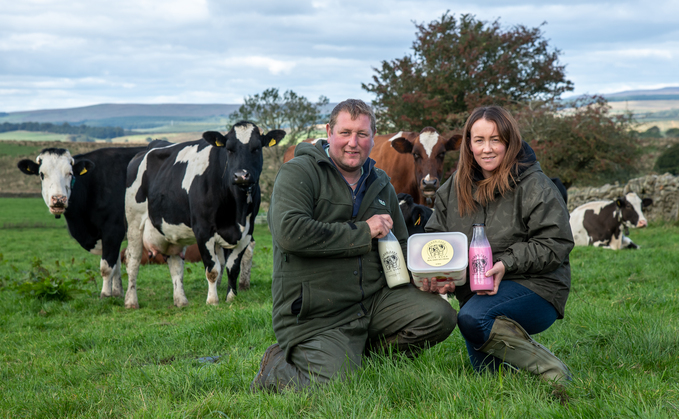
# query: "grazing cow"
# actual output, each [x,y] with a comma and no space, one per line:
[89,191]
[413,161]
[602,223]
[415,215]
[205,192]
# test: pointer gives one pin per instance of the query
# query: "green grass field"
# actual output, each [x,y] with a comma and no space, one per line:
[88,357]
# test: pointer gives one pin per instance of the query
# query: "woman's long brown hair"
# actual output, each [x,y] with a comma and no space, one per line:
[499,181]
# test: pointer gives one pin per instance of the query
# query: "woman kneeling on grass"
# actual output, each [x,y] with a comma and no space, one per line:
[500,183]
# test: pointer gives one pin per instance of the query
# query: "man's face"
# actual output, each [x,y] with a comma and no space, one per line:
[350,142]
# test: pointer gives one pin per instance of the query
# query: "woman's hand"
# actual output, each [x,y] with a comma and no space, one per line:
[433,286]
[499,271]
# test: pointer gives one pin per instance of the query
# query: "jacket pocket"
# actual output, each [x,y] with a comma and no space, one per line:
[306,301]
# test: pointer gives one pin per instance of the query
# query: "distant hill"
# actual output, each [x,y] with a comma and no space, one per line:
[666,93]
[139,117]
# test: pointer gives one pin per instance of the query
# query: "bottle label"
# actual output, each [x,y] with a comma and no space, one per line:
[479,264]
[437,252]
[390,261]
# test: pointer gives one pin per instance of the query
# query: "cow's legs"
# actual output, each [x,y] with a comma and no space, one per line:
[246,267]
[133,256]
[176,265]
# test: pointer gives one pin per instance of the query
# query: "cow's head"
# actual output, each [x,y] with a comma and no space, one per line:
[428,149]
[415,215]
[242,148]
[57,171]
[630,209]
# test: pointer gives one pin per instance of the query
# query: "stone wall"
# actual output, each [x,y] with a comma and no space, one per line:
[663,189]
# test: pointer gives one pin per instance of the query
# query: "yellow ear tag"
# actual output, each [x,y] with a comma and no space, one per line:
[272,143]
[219,143]
[82,172]
[419,218]
[28,169]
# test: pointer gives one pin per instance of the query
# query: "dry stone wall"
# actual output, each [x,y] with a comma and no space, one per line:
[663,189]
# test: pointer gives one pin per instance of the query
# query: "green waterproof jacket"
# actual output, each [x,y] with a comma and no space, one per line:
[527,228]
[326,265]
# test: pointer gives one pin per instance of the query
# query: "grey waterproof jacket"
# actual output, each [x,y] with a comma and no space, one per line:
[528,230]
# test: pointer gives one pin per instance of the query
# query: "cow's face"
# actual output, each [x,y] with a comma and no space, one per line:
[428,150]
[57,171]
[242,148]
[630,207]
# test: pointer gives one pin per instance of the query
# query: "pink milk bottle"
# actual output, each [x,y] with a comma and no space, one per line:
[480,260]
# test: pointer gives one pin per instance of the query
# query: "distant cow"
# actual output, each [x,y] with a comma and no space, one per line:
[602,223]
[413,161]
[205,192]
[415,215]
[89,190]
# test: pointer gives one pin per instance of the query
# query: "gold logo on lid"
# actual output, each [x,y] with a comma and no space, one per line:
[437,252]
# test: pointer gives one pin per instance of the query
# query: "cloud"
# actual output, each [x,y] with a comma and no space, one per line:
[57,53]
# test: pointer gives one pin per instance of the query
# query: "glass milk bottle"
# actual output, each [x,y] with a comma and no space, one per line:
[480,260]
[393,262]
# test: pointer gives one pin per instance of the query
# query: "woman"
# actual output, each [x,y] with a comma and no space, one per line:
[499,183]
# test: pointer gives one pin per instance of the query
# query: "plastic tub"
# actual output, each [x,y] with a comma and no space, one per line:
[438,255]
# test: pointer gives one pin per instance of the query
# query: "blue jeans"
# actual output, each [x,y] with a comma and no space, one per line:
[515,301]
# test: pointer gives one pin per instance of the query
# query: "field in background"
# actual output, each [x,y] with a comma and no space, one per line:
[88,357]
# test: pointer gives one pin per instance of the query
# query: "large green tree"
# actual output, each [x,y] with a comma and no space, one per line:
[294,114]
[459,64]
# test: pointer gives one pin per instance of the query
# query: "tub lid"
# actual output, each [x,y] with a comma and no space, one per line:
[436,252]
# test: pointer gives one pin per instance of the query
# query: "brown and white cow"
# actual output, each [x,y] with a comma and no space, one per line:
[413,161]
[602,223]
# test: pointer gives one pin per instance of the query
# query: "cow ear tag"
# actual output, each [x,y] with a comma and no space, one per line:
[82,172]
[272,142]
[419,219]
[219,143]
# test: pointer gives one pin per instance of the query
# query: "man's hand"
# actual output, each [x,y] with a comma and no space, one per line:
[499,271]
[433,286]
[379,224]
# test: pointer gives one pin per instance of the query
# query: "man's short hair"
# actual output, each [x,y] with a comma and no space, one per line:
[354,107]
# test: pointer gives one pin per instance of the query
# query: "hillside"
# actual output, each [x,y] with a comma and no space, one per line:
[161,118]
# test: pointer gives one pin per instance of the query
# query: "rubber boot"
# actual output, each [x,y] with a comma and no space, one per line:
[509,342]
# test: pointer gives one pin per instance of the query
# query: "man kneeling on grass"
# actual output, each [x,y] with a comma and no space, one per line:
[331,303]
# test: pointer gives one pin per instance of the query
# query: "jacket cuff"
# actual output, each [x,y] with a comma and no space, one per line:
[510,266]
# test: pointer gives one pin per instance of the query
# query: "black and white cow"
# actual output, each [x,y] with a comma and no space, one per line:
[205,192]
[89,191]
[602,223]
[415,215]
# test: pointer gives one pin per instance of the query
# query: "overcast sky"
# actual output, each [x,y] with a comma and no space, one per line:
[69,53]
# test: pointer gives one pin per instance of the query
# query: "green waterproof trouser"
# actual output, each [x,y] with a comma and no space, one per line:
[405,319]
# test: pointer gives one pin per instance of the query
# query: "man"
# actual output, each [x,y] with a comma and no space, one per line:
[331,304]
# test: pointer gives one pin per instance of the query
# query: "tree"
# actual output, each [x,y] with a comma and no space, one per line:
[294,114]
[672,132]
[583,143]
[668,161]
[458,65]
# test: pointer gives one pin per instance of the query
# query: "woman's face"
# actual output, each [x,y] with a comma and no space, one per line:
[487,148]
